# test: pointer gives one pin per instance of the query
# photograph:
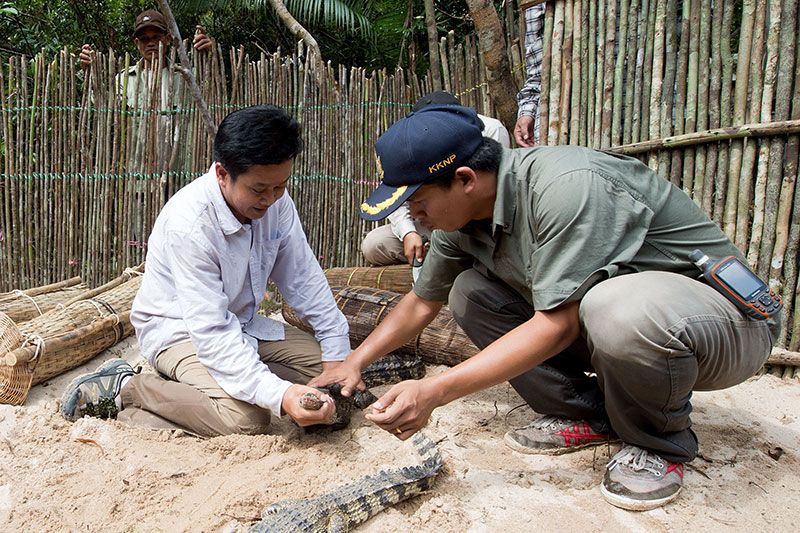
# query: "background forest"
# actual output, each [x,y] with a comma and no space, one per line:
[367,33]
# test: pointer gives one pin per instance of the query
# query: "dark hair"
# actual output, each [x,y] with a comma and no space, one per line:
[257,135]
[486,158]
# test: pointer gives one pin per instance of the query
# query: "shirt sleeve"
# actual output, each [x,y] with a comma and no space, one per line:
[401,221]
[443,263]
[584,227]
[528,96]
[215,332]
[303,285]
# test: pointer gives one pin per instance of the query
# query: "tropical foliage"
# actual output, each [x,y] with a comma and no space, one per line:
[368,33]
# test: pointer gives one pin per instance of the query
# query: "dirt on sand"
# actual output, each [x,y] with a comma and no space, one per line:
[98,475]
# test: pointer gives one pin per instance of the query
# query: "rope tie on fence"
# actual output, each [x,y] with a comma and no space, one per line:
[131,272]
[20,293]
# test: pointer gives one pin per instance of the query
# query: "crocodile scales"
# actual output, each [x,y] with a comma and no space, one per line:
[352,504]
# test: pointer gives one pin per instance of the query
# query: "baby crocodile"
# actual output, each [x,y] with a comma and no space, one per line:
[352,504]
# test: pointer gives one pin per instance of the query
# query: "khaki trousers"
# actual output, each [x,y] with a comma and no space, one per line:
[184,395]
[381,247]
[647,341]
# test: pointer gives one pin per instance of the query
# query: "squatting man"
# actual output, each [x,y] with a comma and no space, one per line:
[569,269]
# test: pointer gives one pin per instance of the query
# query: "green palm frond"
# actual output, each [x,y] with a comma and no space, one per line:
[351,16]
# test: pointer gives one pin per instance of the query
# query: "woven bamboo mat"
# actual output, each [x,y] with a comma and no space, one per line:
[442,342]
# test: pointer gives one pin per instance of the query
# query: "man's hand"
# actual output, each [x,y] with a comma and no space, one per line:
[405,409]
[202,42]
[414,247]
[348,375]
[307,417]
[86,56]
[523,131]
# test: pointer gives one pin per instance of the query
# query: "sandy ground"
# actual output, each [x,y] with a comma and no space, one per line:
[103,476]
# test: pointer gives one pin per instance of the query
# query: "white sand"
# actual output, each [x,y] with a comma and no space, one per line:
[129,479]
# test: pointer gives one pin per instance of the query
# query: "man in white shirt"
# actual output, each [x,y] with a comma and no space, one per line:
[222,368]
[404,240]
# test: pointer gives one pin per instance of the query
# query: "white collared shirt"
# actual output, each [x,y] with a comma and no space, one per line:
[205,277]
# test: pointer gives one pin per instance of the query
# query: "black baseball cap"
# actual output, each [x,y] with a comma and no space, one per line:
[426,144]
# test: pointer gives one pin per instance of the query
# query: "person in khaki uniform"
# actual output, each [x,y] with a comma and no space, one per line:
[222,368]
[569,269]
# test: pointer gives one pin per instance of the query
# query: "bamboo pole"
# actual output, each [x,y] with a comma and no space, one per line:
[790,264]
[544,95]
[770,76]
[739,114]
[630,66]
[703,187]
[750,151]
[777,203]
[554,101]
[726,60]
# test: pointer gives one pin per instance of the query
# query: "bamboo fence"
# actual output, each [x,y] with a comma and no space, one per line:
[706,92]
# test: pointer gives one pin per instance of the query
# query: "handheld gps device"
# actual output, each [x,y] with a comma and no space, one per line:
[734,280]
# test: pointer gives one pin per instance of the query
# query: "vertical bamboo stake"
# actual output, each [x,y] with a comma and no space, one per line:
[591,78]
[636,123]
[647,76]
[726,59]
[630,65]
[777,203]
[714,89]
[619,67]
[754,114]
[739,113]
[681,76]
[703,184]
[554,107]
[544,95]
[608,75]
[566,74]
[690,122]
[597,132]
[659,44]
[577,79]
[759,200]
[790,287]
[586,39]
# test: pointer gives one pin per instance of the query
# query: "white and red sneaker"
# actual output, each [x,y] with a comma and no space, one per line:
[639,480]
[550,435]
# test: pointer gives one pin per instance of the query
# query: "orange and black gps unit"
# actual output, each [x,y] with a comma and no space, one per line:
[734,280]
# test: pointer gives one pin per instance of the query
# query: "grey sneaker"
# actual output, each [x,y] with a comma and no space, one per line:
[95,394]
[550,435]
[639,480]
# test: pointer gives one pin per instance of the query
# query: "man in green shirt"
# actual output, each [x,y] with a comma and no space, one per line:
[568,268]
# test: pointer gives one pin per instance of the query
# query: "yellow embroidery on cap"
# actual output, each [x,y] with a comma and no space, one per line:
[380,206]
[380,167]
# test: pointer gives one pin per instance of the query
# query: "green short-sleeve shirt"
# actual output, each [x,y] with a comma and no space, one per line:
[566,218]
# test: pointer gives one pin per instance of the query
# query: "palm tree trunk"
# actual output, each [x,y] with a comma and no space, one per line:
[433,45]
[492,44]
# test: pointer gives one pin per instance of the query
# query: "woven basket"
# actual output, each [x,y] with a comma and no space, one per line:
[395,278]
[20,306]
[442,342]
[64,338]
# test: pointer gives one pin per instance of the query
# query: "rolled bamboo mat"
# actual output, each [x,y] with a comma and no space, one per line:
[63,339]
[442,342]
[395,278]
[22,305]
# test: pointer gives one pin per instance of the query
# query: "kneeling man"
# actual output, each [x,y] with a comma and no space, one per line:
[222,368]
